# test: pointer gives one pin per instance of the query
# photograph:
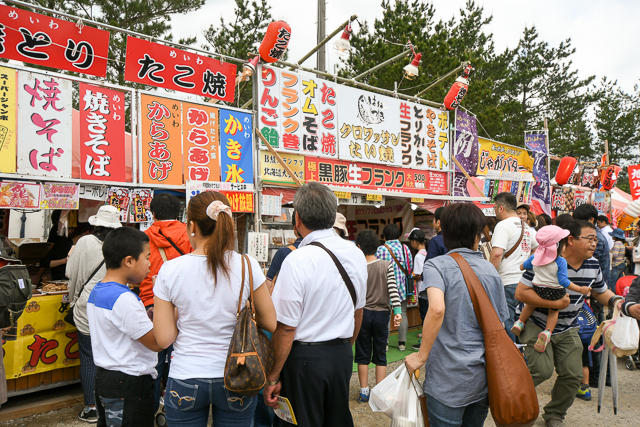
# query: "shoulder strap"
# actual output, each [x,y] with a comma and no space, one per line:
[251,304]
[343,272]
[292,248]
[173,244]
[485,313]
[90,277]
[510,251]
[163,254]
[404,270]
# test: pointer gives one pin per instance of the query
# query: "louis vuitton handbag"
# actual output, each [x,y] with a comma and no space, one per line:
[250,356]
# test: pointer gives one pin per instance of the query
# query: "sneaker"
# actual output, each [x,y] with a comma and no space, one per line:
[584,392]
[517,328]
[402,346]
[363,397]
[416,347]
[88,415]
[543,339]
[554,422]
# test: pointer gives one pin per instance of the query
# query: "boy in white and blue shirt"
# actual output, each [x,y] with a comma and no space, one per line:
[122,340]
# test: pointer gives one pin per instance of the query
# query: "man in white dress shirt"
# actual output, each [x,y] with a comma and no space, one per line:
[319,311]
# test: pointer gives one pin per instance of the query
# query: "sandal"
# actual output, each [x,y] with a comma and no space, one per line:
[517,328]
[543,339]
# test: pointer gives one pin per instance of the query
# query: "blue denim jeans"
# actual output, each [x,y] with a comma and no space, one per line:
[441,415]
[187,403]
[512,304]
[617,271]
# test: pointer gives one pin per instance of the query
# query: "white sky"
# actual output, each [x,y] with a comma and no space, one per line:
[601,31]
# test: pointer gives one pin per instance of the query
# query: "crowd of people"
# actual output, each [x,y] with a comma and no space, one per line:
[324,294]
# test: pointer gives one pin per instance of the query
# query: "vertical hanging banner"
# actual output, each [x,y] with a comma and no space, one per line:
[170,68]
[54,43]
[44,120]
[236,146]
[160,136]
[465,150]
[200,142]
[8,113]
[369,127]
[424,137]
[102,149]
[541,192]
[269,109]
[634,181]
[140,204]
[120,198]
[319,122]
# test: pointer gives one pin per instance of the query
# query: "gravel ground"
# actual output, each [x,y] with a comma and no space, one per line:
[580,414]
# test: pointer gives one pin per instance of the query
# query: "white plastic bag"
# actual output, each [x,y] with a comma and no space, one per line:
[625,333]
[397,396]
[384,395]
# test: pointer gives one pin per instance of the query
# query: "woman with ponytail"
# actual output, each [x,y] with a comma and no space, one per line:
[196,298]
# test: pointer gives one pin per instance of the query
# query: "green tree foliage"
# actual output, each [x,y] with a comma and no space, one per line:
[242,35]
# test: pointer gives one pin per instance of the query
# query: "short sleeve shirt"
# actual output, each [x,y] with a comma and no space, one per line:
[455,371]
[505,236]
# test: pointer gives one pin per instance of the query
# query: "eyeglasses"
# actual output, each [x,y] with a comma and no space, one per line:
[591,239]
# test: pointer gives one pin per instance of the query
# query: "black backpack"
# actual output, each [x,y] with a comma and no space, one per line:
[15,290]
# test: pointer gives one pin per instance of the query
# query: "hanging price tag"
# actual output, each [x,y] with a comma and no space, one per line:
[343,195]
[374,197]
[417,200]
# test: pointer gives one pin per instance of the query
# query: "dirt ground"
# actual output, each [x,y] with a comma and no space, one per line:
[580,414]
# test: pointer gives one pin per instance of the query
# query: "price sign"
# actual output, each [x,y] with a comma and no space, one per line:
[374,197]
[417,200]
[343,195]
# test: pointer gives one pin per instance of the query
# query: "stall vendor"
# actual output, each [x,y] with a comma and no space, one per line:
[56,259]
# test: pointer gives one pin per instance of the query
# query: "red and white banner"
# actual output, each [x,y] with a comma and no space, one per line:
[54,43]
[634,181]
[44,125]
[163,66]
[102,118]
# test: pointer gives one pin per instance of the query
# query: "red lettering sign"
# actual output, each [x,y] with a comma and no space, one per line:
[39,349]
[170,68]
[54,43]
[73,340]
[102,149]
[634,181]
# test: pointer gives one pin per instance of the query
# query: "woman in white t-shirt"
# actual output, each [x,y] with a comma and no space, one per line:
[196,298]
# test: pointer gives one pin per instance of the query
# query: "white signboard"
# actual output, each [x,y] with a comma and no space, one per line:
[93,192]
[44,123]
[258,246]
[271,205]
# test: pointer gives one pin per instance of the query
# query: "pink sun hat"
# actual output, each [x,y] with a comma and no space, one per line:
[548,238]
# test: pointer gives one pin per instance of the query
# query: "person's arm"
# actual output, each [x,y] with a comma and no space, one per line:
[58,262]
[496,257]
[528,265]
[282,341]
[265,311]
[527,295]
[392,287]
[149,341]
[164,322]
[357,322]
[631,304]
[430,329]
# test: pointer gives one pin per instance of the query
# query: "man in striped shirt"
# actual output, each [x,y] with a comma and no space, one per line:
[565,348]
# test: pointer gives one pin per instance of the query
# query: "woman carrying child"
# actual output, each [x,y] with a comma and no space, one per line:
[550,281]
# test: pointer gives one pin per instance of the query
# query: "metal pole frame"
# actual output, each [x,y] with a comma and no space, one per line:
[398,57]
[325,40]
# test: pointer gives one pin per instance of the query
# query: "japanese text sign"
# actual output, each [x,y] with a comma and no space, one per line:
[297,112]
[602,202]
[140,204]
[170,68]
[240,201]
[498,157]
[271,170]
[7,120]
[258,246]
[15,194]
[161,146]
[536,141]
[59,196]
[44,120]
[44,341]
[102,119]
[120,198]
[465,150]
[236,146]
[201,143]
[349,176]
[424,137]
[50,42]
[634,181]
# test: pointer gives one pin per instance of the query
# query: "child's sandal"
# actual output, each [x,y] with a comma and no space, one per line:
[517,328]
[543,339]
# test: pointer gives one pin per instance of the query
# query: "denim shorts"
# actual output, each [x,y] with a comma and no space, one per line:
[371,344]
[187,403]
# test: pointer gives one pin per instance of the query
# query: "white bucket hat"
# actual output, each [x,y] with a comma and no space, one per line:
[107,216]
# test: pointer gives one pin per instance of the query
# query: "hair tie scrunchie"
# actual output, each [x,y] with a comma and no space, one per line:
[215,207]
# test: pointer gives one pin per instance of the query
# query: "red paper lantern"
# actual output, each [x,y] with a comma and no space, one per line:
[275,41]
[565,169]
[609,176]
[458,89]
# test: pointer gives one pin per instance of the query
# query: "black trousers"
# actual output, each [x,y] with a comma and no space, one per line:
[124,400]
[315,379]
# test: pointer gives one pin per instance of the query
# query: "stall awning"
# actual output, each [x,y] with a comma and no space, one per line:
[286,193]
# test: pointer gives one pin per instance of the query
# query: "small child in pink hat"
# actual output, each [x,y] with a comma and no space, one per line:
[550,281]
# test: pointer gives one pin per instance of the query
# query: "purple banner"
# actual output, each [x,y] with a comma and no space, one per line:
[535,141]
[542,188]
[465,150]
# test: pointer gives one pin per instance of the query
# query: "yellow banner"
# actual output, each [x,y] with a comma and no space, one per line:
[7,120]
[495,156]
[42,340]
[374,197]
[271,171]
[346,195]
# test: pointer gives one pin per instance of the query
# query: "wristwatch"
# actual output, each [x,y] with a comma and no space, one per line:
[272,383]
